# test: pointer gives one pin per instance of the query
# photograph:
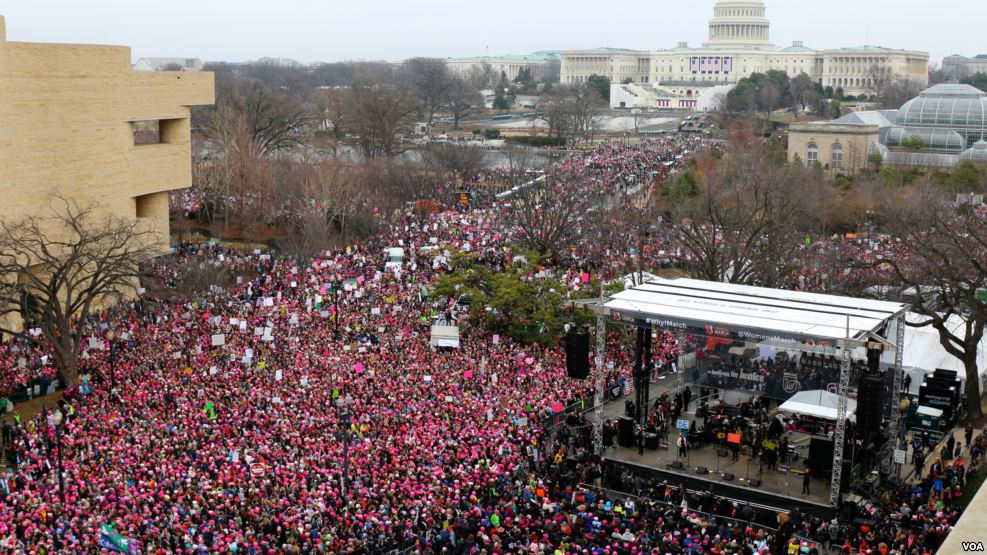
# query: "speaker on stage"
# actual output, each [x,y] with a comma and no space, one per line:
[754,483]
[728,477]
[625,432]
[702,470]
[651,441]
[874,360]
[870,405]
[577,355]
[820,458]
[677,465]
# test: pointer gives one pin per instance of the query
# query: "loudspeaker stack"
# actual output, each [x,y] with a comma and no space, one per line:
[577,355]
[870,392]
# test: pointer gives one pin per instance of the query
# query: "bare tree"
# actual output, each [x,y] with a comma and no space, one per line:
[462,99]
[380,114]
[553,71]
[235,177]
[879,78]
[898,92]
[747,218]
[60,267]
[431,81]
[586,107]
[334,192]
[456,163]
[938,74]
[482,76]
[275,121]
[332,109]
[639,116]
[555,109]
[543,216]
[944,261]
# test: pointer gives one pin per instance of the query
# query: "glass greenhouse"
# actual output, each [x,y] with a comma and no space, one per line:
[976,154]
[960,108]
[942,141]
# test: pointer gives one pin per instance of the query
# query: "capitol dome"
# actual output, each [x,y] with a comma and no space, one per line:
[739,24]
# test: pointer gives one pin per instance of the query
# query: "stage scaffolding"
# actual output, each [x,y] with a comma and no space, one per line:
[795,320]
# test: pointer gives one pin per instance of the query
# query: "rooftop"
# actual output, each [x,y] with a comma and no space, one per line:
[954,90]
[880,118]
[536,57]
[757,312]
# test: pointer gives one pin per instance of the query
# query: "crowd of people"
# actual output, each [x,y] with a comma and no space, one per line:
[303,409]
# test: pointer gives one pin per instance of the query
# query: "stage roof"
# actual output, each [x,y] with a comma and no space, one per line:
[755,313]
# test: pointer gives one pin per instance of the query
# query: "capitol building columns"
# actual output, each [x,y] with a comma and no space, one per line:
[738,45]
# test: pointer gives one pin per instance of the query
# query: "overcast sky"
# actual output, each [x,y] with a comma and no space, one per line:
[333,30]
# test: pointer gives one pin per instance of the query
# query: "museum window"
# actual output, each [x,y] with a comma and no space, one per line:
[153,131]
[146,132]
[812,154]
[837,157]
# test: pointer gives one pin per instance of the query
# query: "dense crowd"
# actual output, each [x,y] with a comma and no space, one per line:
[303,409]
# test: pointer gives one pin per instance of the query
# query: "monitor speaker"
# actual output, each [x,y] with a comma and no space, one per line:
[577,355]
[727,476]
[625,432]
[754,483]
[702,470]
[677,465]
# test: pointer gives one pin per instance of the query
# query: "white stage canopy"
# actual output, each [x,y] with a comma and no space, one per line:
[819,404]
[754,313]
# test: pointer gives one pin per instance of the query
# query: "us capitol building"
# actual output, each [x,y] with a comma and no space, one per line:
[738,46]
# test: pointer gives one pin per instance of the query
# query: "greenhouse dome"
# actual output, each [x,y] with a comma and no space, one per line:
[938,140]
[961,108]
[976,154]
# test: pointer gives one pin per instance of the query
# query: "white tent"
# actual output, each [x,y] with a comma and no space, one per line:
[819,404]
[923,350]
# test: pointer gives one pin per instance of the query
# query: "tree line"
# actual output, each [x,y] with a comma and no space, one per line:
[776,90]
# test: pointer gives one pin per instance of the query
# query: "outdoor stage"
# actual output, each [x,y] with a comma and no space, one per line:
[759,323]
[781,489]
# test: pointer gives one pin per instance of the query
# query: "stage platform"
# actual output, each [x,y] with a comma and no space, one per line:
[778,488]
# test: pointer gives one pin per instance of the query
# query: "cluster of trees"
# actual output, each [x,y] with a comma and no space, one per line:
[573,112]
[275,151]
[978,80]
[776,90]
[370,105]
[511,302]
